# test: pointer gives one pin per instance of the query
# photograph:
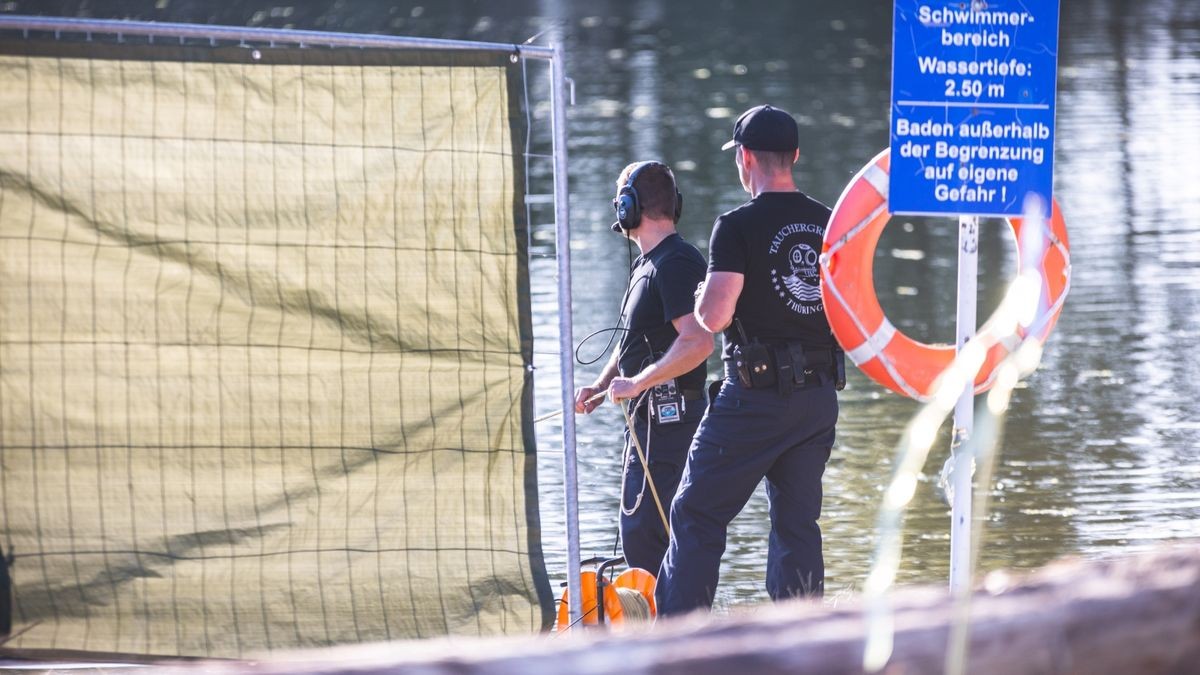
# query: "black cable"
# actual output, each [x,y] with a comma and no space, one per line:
[603,351]
[612,330]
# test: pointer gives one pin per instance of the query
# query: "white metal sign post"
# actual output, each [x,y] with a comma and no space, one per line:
[972,134]
[964,409]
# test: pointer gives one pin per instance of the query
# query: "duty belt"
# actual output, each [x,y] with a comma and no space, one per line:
[786,366]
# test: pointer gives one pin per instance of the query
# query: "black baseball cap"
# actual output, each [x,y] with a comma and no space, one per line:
[766,128]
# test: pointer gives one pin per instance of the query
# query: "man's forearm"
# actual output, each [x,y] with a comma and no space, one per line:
[682,357]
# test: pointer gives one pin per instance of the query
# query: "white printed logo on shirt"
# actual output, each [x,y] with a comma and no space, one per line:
[794,272]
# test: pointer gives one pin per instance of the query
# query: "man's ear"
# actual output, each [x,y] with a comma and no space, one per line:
[796,157]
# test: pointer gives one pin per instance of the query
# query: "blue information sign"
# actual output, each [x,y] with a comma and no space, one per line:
[973,86]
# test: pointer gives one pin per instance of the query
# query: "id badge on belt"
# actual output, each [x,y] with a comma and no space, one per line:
[666,403]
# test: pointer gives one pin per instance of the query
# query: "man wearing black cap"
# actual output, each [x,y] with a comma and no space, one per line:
[659,362]
[775,414]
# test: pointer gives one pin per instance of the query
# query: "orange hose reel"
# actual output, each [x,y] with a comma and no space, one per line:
[634,579]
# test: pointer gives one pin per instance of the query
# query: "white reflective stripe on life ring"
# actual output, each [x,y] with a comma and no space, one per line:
[874,345]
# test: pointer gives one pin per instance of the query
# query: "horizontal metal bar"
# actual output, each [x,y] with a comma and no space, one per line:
[305,37]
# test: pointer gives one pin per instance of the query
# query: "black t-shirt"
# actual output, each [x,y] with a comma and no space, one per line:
[774,240]
[662,288]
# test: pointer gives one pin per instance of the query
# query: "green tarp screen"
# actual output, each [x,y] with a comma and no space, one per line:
[264,336]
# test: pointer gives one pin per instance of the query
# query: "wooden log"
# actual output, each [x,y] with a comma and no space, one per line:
[1137,614]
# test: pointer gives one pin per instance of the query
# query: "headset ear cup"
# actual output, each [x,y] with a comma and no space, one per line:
[678,205]
[629,211]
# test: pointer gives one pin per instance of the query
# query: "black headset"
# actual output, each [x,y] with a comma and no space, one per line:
[629,207]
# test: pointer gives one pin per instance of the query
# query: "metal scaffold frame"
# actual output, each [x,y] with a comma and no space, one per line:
[558,87]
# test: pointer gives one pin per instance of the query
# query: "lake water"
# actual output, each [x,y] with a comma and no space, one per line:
[1101,454]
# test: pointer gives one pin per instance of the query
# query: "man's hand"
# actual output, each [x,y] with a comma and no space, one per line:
[583,399]
[624,387]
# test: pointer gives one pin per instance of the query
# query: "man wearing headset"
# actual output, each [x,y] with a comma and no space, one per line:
[659,362]
[775,414]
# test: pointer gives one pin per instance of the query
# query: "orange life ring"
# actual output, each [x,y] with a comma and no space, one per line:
[634,578]
[872,342]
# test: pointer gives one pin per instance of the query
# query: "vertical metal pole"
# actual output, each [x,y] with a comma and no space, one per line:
[562,238]
[964,409]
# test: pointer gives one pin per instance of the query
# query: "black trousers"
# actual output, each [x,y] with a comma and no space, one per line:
[643,537]
[746,435]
